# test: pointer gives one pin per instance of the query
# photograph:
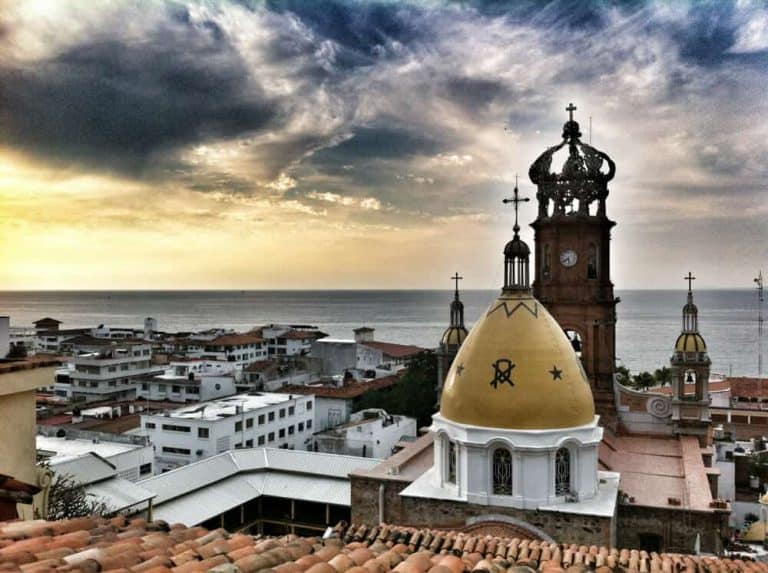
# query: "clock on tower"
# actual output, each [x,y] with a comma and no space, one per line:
[572,236]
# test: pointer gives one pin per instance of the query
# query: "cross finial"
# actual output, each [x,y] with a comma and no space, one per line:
[570,109]
[456,278]
[516,199]
[690,278]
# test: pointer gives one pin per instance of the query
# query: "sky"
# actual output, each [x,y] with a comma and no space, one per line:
[337,144]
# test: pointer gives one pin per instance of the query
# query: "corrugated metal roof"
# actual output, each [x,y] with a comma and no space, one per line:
[87,468]
[119,493]
[210,501]
[189,478]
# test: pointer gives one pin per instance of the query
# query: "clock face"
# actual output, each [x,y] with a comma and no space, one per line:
[568,258]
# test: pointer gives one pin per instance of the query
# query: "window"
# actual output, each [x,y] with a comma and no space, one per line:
[309,424]
[261,440]
[309,405]
[271,417]
[176,389]
[176,428]
[249,423]
[203,433]
[291,410]
[282,412]
[290,430]
[563,471]
[249,443]
[145,386]
[547,262]
[239,426]
[181,451]
[271,437]
[592,262]
[301,426]
[145,469]
[149,425]
[502,472]
[261,419]
[281,433]
[451,463]
[161,387]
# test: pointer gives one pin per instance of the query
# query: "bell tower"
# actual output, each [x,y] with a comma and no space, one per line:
[573,252]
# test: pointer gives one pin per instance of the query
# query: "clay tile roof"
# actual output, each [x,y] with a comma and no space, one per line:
[294,334]
[347,391]
[233,340]
[36,361]
[394,350]
[92,545]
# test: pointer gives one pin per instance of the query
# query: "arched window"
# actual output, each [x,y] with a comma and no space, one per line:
[502,471]
[562,472]
[451,463]
[547,262]
[575,340]
[592,262]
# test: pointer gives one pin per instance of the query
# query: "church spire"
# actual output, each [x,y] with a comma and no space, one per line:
[516,252]
[690,312]
[457,307]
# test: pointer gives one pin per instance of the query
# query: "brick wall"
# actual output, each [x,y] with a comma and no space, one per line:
[441,514]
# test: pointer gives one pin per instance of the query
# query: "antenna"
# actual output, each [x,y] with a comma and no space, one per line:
[759,282]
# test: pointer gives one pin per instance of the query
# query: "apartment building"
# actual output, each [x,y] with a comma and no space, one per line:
[197,432]
[107,370]
[190,381]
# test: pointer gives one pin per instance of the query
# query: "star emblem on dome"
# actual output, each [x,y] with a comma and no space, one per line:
[459,369]
[502,372]
[556,374]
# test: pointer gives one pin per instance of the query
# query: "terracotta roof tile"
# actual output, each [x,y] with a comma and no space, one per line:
[118,546]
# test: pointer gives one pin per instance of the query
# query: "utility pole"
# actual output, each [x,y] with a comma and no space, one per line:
[759,282]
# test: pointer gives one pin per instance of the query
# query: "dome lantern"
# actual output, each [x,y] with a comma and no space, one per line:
[516,252]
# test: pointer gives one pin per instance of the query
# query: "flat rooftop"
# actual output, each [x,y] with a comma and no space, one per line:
[227,407]
[66,450]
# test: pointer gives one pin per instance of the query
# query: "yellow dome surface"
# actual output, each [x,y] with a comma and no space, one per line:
[690,342]
[517,370]
[454,336]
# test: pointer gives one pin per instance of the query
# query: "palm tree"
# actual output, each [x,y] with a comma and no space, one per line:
[663,376]
[643,381]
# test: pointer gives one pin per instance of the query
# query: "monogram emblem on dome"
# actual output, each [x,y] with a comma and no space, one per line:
[502,372]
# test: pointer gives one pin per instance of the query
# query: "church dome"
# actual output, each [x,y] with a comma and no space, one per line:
[517,248]
[517,370]
[454,336]
[690,342]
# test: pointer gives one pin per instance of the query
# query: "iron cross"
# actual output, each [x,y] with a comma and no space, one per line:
[516,199]
[690,278]
[457,278]
[570,109]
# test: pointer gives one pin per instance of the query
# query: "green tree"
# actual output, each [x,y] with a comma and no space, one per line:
[643,381]
[623,375]
[17,350]
[68,498]
[663,376]
[413,395]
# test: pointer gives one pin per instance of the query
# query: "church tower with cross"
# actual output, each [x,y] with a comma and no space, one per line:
[690,365]
[572,244]
[452,338]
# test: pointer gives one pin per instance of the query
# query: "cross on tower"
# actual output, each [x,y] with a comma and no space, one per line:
[516,199]
[456,278]
[690,278]
[570,109]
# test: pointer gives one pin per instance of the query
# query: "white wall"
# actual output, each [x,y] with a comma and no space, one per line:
[222,433]
[331,412]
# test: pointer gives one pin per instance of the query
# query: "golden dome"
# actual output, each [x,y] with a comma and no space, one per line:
[690,342]
[454,336]
[517,370]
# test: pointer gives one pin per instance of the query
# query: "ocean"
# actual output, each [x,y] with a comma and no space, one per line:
[648,320]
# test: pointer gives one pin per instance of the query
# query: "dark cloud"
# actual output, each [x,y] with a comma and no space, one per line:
[116,103]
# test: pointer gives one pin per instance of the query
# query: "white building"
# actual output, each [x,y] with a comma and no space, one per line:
[273,374]
[109,372]
[131,456]
[239,348]
[362,354]
[370,433]
[190,381]
[290,340]
[196,432]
